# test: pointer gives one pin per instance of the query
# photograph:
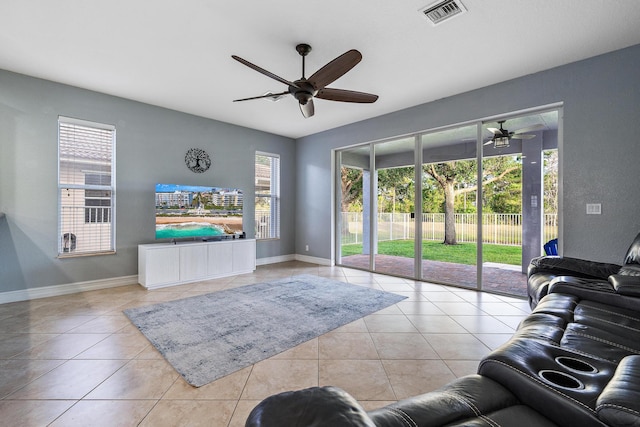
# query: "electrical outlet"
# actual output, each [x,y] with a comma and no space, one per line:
[306,248]
[594,209]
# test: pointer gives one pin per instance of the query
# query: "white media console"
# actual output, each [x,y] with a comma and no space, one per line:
[168,264]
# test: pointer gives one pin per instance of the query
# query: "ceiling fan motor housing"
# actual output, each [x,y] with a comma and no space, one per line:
[303,91]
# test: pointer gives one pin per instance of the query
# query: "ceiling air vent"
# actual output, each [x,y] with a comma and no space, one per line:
[443,10]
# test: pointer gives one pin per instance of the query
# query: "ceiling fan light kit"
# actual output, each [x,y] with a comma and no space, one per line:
[501,137]
[501,142]
[304,90]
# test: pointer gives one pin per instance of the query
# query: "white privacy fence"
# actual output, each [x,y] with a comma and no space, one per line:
[501,229]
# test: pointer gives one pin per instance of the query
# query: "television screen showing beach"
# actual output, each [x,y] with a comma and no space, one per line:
[187,211]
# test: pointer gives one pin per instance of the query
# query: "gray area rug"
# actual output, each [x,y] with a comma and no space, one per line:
[210,336]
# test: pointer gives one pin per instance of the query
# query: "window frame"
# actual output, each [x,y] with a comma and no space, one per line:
[273,196]
[69,165]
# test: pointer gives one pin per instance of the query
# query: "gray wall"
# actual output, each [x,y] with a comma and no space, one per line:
[151,144]
[601,99]
[599,157]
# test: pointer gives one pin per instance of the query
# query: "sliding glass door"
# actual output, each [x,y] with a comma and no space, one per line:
[449,191]
[376,207]
[394,185]
[468,205]
[516,206]
[353,223]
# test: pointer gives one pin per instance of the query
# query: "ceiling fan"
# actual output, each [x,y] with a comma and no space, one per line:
[305,89]
[501,137]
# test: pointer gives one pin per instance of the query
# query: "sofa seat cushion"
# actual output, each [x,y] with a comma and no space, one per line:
[617,320]
[599,343]
[584,326]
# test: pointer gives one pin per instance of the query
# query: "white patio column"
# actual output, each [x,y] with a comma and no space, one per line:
[368,222]
[532,202]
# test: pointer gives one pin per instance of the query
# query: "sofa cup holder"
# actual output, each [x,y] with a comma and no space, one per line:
[576,365]
[560,379]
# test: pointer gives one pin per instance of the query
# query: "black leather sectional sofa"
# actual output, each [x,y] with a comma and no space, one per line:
[574,361]
[609,283]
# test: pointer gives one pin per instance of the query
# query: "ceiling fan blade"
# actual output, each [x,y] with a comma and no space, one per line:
[307,109]
[335,69]
[533,128]
[272,95]
[346,96]
[263,71]
[494,131]
[522,136]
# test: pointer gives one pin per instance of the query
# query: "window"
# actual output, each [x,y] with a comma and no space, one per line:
[97,202]
[267,189]
[86,187]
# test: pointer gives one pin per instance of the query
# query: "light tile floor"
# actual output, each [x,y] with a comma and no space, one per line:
[76,360]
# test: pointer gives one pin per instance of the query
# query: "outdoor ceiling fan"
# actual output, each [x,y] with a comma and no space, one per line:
[501,137]
[305,89]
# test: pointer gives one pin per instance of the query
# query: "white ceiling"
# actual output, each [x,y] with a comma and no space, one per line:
[177,54]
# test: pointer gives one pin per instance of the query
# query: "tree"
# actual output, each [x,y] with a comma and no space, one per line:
[504,195]
[501,180]
[448,174]
[432,195]
[351,186]
[396,190]
[550,181]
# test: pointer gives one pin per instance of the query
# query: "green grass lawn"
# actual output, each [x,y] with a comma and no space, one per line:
[462,253]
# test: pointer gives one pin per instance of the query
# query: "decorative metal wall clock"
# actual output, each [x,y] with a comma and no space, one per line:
[197,160]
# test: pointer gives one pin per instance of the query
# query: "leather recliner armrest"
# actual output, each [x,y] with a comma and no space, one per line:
[566,266]
[619,403]
[315,406]
[625,285]
[472,400]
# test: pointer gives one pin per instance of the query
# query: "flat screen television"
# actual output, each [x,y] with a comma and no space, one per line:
[197,212]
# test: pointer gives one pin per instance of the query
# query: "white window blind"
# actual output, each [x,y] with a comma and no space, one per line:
[86,187]
[267,193]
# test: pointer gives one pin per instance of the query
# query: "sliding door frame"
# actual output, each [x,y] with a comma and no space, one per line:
[418,164]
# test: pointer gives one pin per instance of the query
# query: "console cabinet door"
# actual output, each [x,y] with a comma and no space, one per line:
[219,261]
[193,262]
[244,255]
[161,266]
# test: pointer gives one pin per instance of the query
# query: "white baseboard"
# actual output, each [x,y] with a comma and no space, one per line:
[69,288]
[275,259]
[92,285]
[293,257]
[313,260]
